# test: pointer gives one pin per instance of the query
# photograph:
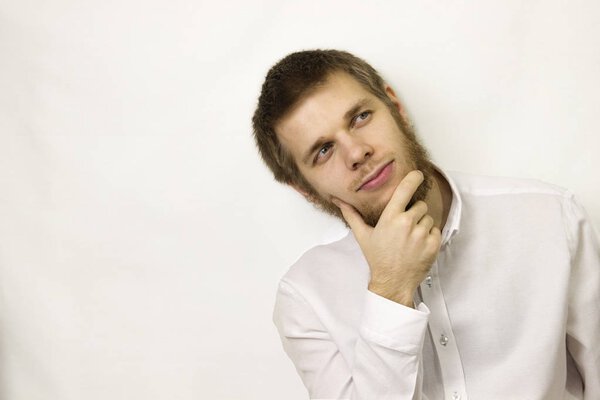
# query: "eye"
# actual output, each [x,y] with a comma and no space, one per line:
[323,153]
[361,118]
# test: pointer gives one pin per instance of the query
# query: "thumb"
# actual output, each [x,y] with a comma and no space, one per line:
[353,218]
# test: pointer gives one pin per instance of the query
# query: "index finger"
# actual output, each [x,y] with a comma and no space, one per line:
[404,192]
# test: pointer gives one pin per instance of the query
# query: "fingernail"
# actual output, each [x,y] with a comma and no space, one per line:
[336,202]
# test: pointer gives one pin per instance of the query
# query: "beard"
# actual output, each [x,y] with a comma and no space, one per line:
[418,158]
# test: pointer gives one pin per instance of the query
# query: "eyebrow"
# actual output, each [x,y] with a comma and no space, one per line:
[352,111]
[356,108]
[315,146]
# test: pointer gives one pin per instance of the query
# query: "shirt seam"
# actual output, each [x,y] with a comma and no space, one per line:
[507,192]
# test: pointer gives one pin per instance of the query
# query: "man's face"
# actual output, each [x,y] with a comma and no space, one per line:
[348,145]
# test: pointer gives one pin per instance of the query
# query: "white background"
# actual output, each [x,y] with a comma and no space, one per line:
[141,239]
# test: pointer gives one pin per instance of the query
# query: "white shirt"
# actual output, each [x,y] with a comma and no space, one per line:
[510,310]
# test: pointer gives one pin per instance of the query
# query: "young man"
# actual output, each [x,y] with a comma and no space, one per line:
[449,286]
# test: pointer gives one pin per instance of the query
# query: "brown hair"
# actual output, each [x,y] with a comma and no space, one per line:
[287,82]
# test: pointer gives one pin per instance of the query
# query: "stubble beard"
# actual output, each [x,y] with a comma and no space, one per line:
[418,158]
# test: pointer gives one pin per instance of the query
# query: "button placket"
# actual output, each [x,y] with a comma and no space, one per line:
[443,339]
[440,329]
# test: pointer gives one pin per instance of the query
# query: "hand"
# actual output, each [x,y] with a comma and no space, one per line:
[403,245]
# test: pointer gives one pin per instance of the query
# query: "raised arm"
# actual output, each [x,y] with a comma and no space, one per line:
[386,362]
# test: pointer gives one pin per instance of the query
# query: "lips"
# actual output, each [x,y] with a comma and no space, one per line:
[377,178]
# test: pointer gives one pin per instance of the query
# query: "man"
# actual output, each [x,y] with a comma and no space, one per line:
[448,286]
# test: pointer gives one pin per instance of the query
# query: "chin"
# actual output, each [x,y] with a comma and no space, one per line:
[372,212]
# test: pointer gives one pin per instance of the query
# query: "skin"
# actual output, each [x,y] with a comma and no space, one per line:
[352,135]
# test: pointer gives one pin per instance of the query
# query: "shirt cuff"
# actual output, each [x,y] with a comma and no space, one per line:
[394,325]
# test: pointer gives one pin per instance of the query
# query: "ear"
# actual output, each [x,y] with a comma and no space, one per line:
[392,95]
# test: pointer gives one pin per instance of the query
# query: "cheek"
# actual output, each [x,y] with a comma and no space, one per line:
[332,187]
[328,181]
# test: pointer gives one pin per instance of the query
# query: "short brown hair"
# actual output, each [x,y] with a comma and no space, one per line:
[286,83]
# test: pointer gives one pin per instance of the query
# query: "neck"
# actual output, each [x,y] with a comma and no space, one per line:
[439,199]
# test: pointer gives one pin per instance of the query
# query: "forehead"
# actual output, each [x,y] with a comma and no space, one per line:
[320,113]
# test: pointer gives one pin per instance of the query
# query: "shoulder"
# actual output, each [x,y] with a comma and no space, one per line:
[325,257]
[480,185]
[502,202]
[328,263]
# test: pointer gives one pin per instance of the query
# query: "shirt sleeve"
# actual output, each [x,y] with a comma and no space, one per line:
[387,361]
[583,322]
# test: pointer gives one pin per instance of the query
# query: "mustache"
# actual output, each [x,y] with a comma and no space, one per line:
[364,171]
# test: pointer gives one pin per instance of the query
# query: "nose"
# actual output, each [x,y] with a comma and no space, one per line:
[356,151]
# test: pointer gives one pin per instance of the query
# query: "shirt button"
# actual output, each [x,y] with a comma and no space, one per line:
[428,280]
[455,396]
[443,339]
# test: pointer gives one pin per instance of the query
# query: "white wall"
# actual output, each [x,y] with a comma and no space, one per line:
[141,239]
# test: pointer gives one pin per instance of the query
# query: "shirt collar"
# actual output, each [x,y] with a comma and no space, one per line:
[453,221]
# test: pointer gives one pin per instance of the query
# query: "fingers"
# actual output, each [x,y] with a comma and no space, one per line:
[426,223]
[423,222]
[436,233]
[435,238]
[404,192]
[353,218]
[417,211]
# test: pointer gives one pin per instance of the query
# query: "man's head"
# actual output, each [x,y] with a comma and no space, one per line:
[326,123]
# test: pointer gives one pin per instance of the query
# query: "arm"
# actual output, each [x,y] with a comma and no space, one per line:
[583,323]
[387,354]
[386,362]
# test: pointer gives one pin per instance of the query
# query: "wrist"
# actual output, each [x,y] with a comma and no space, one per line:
[404,296]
